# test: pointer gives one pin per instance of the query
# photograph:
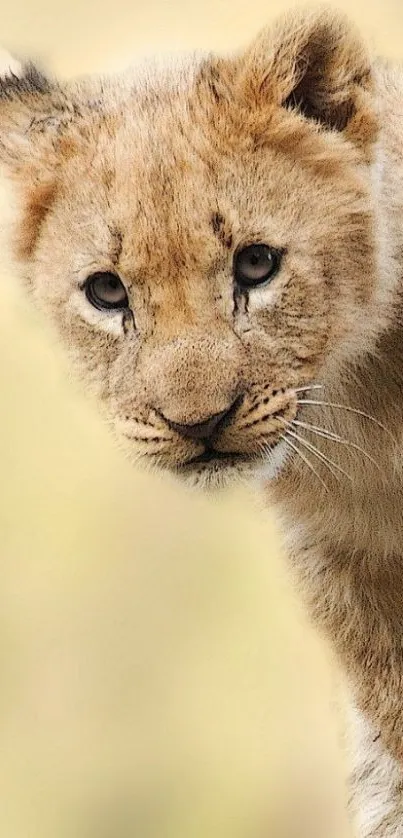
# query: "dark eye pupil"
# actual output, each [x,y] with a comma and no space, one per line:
[105,291]
[256,264]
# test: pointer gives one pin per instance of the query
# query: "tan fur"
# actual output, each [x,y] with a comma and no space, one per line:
[161,176]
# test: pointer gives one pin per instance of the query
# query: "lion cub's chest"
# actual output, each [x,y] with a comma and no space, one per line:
[376,783]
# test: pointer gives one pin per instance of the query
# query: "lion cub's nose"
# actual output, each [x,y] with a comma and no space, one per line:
[204,430]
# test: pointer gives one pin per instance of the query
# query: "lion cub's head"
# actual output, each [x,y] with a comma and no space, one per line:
[202,235]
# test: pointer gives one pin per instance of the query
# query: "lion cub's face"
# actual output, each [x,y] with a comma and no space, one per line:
[202,237]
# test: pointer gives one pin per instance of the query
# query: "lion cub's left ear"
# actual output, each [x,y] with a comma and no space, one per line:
[316,65]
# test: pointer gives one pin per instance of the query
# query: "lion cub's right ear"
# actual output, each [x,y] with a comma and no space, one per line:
[34,112]
[30,107]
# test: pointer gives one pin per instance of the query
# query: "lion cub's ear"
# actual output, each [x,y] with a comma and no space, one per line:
[9,66]
[31,107]
[34,111]
[314,64]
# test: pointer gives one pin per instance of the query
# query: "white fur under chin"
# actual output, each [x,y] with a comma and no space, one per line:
[211,478]
[257,474]
[376,782]
[270,468]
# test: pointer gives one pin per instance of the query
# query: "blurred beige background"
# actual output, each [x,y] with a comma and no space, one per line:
[158,679]
[82,35]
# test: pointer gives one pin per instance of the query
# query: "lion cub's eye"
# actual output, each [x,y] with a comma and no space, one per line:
[256,264]
[106,291]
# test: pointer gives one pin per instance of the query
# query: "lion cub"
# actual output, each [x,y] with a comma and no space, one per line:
[220,245]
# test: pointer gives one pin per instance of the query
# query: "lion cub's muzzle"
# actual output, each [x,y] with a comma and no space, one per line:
[201,412]
[206,430]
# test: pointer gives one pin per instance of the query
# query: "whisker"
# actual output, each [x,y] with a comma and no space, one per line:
[317,453]
[330,464]
[350,410]
[332,437]
[266,449]
[310,387]
[307,462]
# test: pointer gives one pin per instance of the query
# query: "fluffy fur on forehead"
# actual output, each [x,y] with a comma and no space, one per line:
[303,87]
[311,69]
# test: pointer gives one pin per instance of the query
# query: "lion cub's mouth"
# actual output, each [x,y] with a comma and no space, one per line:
[214,468]
[251,441]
